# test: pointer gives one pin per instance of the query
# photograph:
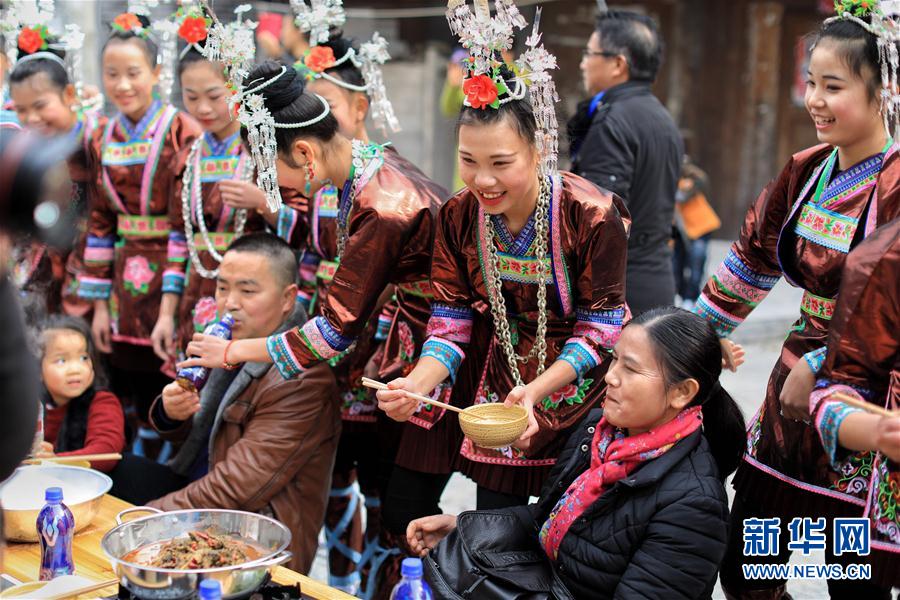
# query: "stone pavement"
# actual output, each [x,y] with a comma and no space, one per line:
[761,334]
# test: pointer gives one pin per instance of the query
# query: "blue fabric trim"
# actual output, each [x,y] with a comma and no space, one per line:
[606,317]
[332,336]
[816,358]
[595,102]
[833,414]
[173,283]
[449,311]
[747,275]
[444,353]
[94,291]
[100,242]
[281,358]
[580,360]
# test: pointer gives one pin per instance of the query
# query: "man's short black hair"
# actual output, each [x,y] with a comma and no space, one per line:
[281,256]
[634,36]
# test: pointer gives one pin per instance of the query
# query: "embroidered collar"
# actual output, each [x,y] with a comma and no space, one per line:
[230,146]
[831,192]
[521,244]
[143,129]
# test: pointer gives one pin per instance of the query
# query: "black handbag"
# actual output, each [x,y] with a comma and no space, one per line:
[493,555]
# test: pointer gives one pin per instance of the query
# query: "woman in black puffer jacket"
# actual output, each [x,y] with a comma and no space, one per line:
[636,506]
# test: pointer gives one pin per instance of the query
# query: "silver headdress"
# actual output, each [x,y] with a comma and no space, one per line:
[884,25]
[73,41]
[141,7]
[316,20]
[318,17]
[372,55]
[261,126]
[232,44]
[166,31]
[485,38]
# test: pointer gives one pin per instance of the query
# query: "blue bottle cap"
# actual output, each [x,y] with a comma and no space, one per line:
[53,494]
[210,589]
[411,567]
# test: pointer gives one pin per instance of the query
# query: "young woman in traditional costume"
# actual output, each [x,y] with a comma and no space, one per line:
[528,269]
[49,102]
[863,362]
[347,75]
[825,201]
[371,243]
[216,169]
[133,257]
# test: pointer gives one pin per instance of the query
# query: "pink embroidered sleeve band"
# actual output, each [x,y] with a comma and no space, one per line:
[732,293]
[595,332]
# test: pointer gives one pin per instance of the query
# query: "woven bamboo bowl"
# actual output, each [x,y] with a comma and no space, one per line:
[498,426]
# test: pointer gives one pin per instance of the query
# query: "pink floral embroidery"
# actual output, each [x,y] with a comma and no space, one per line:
[407,343]
[569,394]
[204,313]
[138,274]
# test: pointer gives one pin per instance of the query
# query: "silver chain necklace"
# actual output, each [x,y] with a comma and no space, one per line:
[190,181]
[495,289]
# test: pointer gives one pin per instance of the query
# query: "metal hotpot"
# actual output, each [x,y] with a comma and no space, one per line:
[152,583]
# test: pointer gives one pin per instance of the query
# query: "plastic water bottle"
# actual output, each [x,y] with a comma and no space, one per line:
[194,378]
[210,589]
[56,526]
[412,586]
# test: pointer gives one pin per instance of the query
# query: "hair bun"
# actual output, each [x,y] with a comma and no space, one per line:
[340,44]
[279,93]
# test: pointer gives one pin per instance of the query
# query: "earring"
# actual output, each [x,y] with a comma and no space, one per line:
[309,172]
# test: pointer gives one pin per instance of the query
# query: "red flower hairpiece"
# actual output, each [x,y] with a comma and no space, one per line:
[319,58]
[193,29]
[32,39]
[480,91]
[128,22]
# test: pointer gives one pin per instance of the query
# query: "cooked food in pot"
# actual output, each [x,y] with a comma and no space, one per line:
[199,550]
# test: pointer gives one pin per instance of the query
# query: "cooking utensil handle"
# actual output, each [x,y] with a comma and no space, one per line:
[377,385]
[278,559]
[135,509]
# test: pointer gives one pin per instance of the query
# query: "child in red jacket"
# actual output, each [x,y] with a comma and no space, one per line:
[80,416]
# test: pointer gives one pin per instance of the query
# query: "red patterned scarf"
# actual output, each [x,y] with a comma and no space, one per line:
[613,456]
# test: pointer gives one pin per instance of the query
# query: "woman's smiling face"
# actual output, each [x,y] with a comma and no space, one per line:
[839,101]
[497,164]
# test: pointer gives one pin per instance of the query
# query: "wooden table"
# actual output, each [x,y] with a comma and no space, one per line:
[22,561]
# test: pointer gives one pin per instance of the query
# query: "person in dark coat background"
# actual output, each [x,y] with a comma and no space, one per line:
[624,140]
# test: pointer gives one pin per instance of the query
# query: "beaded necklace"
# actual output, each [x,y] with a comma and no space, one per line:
[192,195]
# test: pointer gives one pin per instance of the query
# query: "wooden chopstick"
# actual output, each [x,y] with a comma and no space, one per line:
[863,405]
[377,385]
[84,590]
[76,458]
